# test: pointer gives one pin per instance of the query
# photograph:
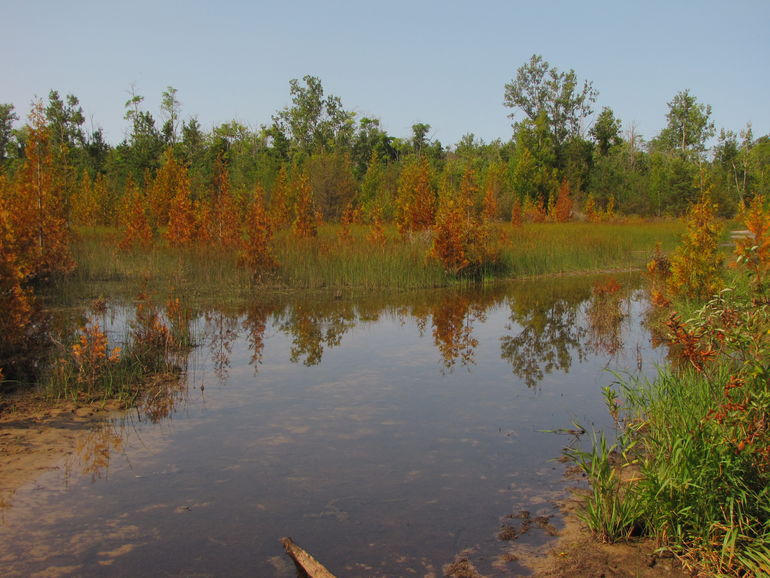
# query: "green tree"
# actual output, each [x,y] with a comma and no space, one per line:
[144,146]
[370,139]
[534,161]
[65,121]
[541,89]
[689,126]
[314,122]
[606,131]
[7,118]
[170,108]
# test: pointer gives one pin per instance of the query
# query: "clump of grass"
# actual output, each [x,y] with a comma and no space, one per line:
[90,368]
[613,508]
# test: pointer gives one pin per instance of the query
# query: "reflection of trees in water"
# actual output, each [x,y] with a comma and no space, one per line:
[312,329]
[161,395]
[452,320]
[606,310]
[221,331]
[95,447]
[552,331]
[549,333]
[255,324]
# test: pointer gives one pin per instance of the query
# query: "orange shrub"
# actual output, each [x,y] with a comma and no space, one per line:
[305,220]
[182,222]
[416,200]
[753,250]
[256,252]
[562,210]
[134,225]
[696,264]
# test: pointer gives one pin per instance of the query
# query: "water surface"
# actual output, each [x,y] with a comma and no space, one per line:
[386,436]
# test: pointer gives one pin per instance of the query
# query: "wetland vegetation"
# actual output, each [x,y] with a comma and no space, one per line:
[117,261]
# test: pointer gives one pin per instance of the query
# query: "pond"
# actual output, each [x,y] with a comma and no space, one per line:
[386,436]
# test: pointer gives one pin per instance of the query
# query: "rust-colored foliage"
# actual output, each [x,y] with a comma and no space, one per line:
[205,229]
[376,234]
[517,215]
[461,242]
[689,343]
[696,264]
[92,356]
[416,201]
[37,208]
[85,208]
[753,250]
[224,224]
[305,220]
[280,206]
[169,180]
[256,250]
[182,221]
[17,303]
[493,184]
[562,211]
[136,232]
[344,236]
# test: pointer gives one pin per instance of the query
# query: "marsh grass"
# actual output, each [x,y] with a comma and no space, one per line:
[613,508]
[325,262]
[700,438]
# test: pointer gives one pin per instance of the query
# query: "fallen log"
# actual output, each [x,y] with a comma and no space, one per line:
[304,561]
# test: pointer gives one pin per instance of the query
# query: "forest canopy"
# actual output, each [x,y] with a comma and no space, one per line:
[557,135]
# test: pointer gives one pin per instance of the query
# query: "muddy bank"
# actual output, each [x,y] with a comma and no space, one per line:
[577,553]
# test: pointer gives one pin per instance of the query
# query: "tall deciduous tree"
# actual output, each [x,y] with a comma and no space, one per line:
[689,125]
[170,107]
[313,122]
[606,131]
[540,88]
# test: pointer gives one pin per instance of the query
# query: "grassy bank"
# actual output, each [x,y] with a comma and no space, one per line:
[690,466]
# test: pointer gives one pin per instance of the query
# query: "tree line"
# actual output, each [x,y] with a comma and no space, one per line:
[557,137]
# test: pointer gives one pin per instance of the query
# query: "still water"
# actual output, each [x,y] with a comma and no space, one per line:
[387,437]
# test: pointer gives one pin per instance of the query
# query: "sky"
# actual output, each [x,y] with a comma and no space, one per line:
[443,63]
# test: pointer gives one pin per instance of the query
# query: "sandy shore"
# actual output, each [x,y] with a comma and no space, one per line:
[37,436]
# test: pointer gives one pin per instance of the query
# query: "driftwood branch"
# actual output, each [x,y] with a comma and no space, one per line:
[304,561]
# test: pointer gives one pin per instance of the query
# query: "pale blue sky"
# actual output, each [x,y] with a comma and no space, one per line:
[444,63]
